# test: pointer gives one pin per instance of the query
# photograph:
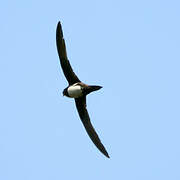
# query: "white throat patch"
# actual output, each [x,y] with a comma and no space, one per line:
[74,91]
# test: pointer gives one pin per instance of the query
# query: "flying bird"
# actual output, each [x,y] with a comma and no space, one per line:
[77,90]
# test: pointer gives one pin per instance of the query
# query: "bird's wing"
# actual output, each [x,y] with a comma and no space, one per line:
[61,48]
[83,113]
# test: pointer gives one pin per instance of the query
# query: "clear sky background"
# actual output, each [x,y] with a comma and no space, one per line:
[131,48]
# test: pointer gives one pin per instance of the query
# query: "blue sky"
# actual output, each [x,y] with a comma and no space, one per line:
[131,48]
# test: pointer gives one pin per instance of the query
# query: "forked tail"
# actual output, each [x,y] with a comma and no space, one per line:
[92,88]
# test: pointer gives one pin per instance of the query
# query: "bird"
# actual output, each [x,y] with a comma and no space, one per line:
[77,90]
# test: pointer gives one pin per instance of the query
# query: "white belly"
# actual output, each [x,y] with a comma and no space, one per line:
[75,91]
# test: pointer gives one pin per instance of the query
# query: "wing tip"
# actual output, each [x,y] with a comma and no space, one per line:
[104,152]
[107,155]
[59,30]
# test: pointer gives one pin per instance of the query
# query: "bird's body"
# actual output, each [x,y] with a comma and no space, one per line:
[74,91]
[77,90]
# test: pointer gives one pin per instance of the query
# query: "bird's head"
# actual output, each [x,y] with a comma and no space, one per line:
[65,93]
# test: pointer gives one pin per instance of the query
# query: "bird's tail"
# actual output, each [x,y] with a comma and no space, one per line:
[92,88]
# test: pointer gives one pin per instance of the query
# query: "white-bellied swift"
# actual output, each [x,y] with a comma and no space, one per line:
[77,90]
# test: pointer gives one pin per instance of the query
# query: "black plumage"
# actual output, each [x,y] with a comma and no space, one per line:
[85,89]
